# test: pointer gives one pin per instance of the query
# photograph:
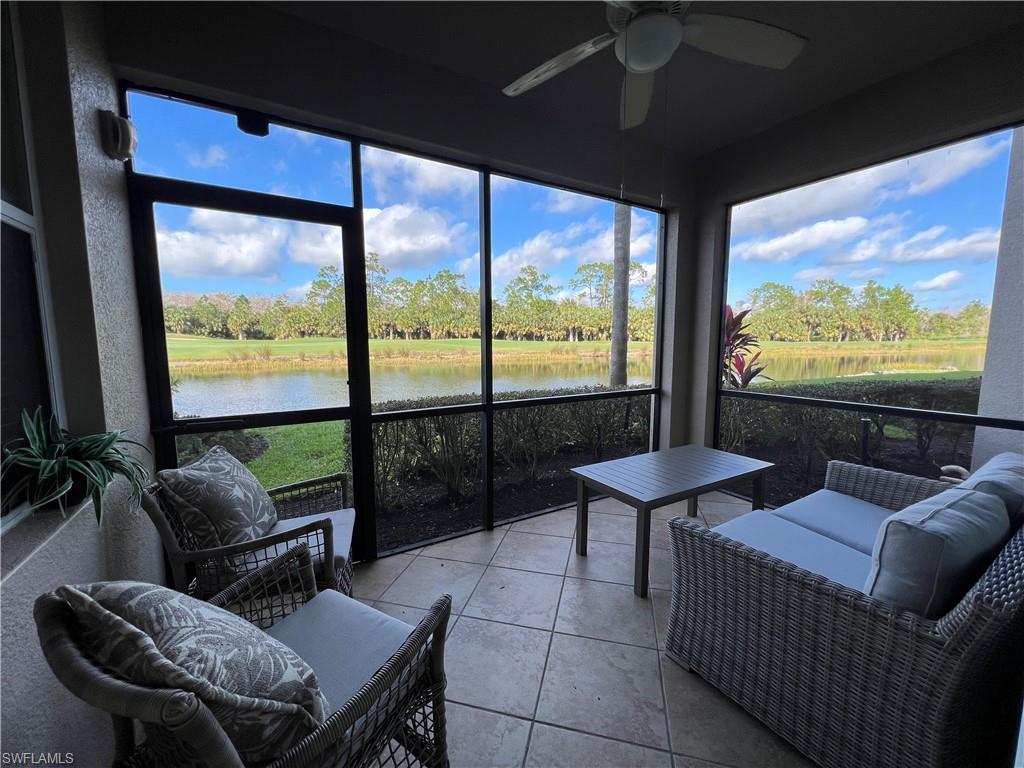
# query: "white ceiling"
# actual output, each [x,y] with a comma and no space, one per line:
[710,102]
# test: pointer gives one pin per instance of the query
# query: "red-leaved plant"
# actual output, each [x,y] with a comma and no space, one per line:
[739,367]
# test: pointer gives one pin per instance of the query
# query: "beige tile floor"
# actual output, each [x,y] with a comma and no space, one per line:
[551,659]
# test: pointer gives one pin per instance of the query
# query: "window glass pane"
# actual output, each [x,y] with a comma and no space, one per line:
[13,163]
[280,456]
[184,141]
[554,281]
[427,476]
[884,275]
[423,280]
[254,312]
[536,446]
[26,381]
[801,440]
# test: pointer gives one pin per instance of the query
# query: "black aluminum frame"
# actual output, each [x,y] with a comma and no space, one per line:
[841,405]
[145,190]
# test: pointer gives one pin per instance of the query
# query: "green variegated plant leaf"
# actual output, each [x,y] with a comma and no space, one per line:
[48,460]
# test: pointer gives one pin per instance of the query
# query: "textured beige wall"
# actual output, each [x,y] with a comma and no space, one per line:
[85,220]
[1002,386]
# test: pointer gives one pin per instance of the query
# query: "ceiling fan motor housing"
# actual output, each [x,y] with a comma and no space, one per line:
[648,42]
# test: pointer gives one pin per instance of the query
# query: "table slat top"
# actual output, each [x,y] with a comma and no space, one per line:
[651,477]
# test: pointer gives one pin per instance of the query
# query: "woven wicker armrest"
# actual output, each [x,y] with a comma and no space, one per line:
[273,591]
[892,490]
[402,692]
[214,568]
[311,497]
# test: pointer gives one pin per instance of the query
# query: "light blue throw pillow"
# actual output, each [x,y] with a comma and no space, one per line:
[928,555]
[1002,476]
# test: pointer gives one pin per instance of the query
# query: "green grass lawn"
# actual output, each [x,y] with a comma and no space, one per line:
[182,348]
[301,451]
[867,347]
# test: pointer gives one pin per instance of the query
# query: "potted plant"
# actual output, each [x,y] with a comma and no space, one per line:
[49,464]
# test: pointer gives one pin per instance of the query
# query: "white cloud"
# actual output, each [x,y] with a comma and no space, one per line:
[926,246]
[316,244]
[886,229]
[857,192]
[220,243]
[393,174]
[946,281]
[298,293]
[543,251]
[792,244]
[865,274]
[215,156]
[815,273]
[563,201]
[648,272]
[409,236]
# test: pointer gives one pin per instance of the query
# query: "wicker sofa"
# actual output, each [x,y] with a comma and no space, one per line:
[846,678]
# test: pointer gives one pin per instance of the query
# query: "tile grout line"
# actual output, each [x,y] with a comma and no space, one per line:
[547,657]
[572,729]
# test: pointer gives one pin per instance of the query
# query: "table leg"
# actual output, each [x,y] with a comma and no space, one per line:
[758,500]
[691,506]
[642,557]
[581,517]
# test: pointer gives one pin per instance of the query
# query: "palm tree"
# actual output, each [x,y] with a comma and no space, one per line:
[620,295]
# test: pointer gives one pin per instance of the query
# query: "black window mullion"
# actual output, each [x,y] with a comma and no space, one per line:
[486,350]
[364,540]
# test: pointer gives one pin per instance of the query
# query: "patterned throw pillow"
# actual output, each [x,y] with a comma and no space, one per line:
[218,499]
[262,693]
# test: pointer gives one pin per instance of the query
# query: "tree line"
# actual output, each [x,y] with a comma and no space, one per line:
[831,311]
[439,306]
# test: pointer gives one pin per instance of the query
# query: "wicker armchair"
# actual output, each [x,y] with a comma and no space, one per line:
[205,572]
[396,718]
[845,678]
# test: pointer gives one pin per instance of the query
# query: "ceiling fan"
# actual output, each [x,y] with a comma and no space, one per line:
[646,34]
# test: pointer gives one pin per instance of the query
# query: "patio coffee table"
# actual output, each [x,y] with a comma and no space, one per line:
[652,480]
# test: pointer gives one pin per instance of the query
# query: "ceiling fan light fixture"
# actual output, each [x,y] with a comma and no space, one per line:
[648,42]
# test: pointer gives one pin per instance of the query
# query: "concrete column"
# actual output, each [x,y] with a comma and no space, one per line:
[1002,384]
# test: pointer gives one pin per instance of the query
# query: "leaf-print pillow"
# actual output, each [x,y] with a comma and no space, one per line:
[263,694]
[218,499]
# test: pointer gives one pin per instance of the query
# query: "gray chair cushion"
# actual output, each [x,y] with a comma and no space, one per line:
[928,555]
[264,696]
[342,522]
[842,518]
[795,544]
[218,499]
[1002,476]
[344,641]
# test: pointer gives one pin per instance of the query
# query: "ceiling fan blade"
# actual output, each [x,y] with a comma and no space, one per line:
[742,39]
[637,90]
[559,64]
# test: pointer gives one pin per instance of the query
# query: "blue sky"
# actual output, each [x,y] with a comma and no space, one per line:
[929,222]
[420,216]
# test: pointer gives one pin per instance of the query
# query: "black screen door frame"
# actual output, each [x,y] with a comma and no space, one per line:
[147,191]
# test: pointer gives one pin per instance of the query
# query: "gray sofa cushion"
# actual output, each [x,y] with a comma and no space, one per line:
[218,499]
[1002,476]
[264,696]
[795,544]
[929,554]
[342,523]
[343,640]
[842,518]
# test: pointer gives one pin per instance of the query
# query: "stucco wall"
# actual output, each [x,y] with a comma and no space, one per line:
[1002,386]
[85,221]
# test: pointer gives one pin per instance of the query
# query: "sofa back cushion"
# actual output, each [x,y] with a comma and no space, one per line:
[1002,476]
[928,555]
[262,693]
[218,499]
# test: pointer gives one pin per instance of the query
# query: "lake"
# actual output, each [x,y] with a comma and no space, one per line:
[224,394]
